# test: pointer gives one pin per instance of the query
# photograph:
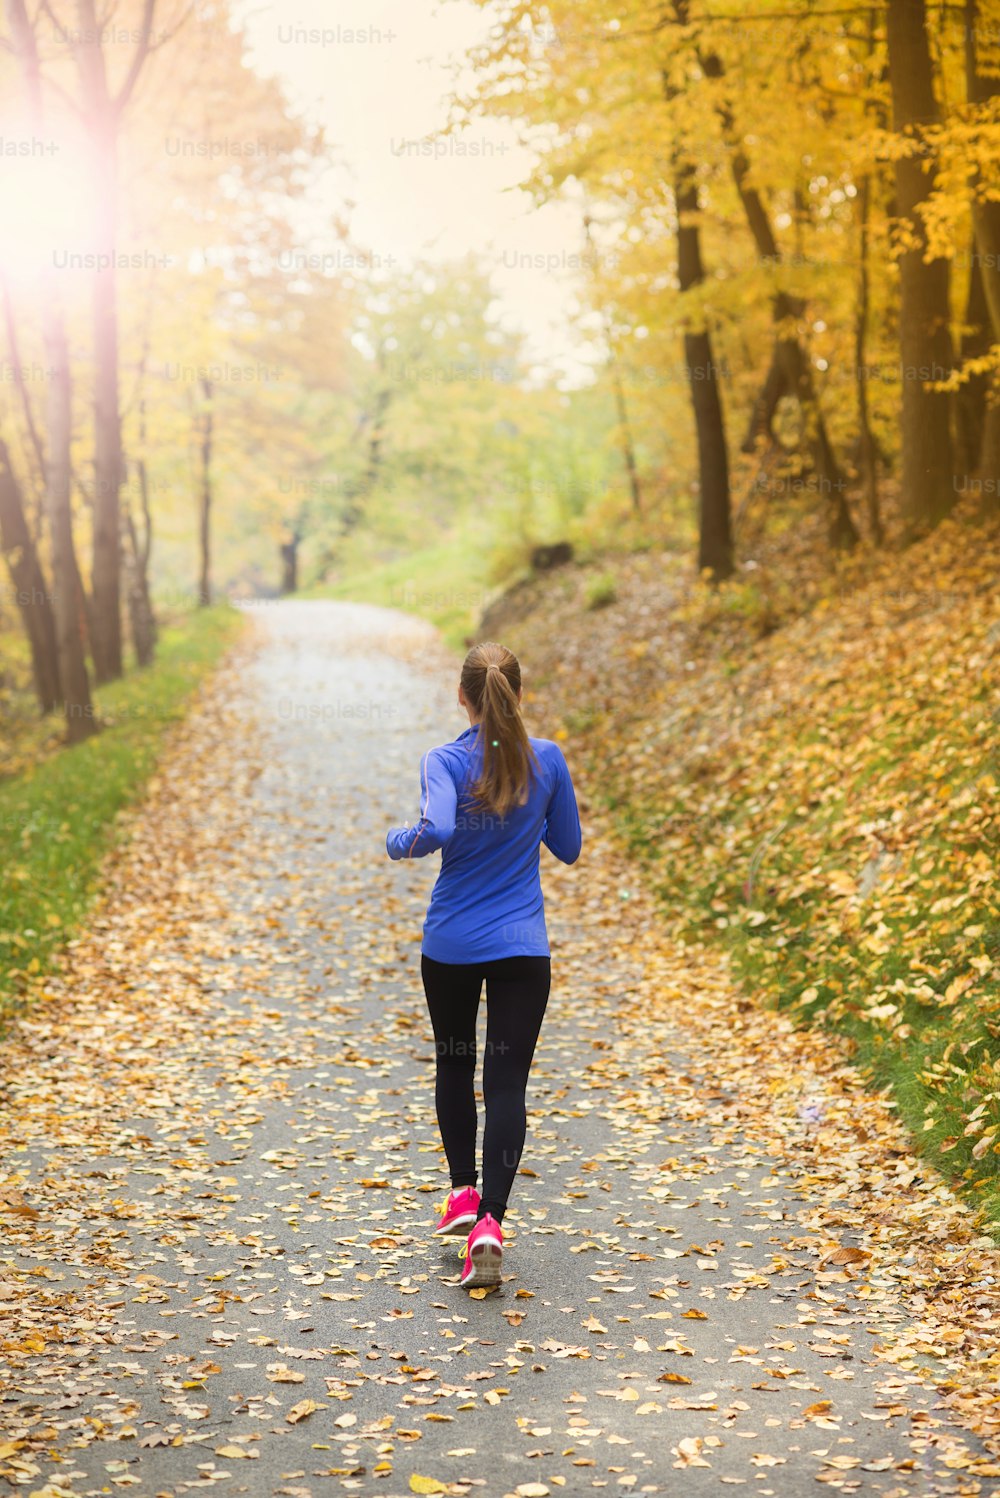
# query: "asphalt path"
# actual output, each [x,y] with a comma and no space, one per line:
[277,1316]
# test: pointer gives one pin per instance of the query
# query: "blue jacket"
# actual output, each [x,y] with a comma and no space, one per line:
[487,900]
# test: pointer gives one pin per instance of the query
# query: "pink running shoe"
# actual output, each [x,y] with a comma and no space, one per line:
[458,1211]
[483,1253]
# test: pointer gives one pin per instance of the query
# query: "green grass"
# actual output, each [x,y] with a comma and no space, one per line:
[938,1059]
[58,818]
[601,590]
[445,584]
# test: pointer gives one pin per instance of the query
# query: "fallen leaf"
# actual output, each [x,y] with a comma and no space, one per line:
[302,1410]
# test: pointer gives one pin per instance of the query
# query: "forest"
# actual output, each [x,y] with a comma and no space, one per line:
[795,326]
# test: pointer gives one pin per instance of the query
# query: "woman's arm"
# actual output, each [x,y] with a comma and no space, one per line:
[438,803]
[562,834]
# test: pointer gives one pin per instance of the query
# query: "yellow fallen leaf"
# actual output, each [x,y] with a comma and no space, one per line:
[957,987]
[304,1408]
[688,1452]
[18,1207]
[420,1484]
[846,1256]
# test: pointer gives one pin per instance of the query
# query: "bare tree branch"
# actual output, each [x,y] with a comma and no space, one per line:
[139,57]
[19,380]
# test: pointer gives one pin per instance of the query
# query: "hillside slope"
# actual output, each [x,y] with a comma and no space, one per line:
[809,775]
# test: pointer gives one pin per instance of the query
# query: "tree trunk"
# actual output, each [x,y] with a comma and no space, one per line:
[867,450]
[73,680]
[136,554]
[147,544]
[715,526]
[376,441]
[761,423]
[140,613]
[357,491]
[205,504]
[989,456]
[789,372]
[924,334]
[84,607]
[985,212]
[17,368]
[80,720]
[102,113]
[625,439]
[970,401]
[31,595]
[101,119]
[986,227]
[290,563]
[106,574]
[813,437]
[715,541]
[625,435]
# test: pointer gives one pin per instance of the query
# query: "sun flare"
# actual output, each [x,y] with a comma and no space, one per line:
[47,204]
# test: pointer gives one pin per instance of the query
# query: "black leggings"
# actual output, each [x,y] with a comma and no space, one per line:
[517,991]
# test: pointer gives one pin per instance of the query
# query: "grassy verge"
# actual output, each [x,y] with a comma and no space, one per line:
[817,792]
[57,819]
[446,584]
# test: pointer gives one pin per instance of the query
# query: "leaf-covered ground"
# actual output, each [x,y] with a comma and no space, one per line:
[58,811]
[806,765]
[222,1164]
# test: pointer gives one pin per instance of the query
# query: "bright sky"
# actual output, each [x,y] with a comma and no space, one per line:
[377,74]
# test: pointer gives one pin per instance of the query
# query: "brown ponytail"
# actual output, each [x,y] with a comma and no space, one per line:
[491,680]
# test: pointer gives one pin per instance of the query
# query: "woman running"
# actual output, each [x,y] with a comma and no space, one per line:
[488,799]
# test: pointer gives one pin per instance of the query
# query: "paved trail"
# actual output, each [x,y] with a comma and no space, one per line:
[223,1119]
